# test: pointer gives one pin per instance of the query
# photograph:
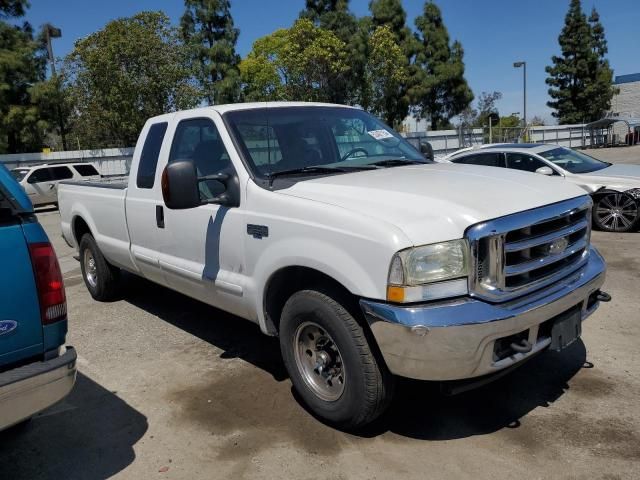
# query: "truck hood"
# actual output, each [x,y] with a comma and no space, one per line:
[617,175]
[435,202]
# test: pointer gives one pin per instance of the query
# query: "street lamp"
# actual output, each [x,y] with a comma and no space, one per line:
[54,32]
[518,65]
[51,32]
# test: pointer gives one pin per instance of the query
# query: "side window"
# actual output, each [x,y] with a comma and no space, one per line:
[262,144]
[198,140]
[40,175]
[149,156]
[485,159]
[520,161]
[61,173]
[86,170]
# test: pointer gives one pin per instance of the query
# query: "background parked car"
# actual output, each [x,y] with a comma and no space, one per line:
[41,182]
[615,188]
[36,370]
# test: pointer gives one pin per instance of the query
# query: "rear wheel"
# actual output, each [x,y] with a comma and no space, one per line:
[616,212]
[330,362]
[100,277]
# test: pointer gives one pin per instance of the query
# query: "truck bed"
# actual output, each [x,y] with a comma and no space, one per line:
[101,204]
[118,182]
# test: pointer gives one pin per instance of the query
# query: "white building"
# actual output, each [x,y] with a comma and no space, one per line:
[627,102]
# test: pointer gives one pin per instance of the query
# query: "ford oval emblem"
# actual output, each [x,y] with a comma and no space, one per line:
[558,247]
[7,326]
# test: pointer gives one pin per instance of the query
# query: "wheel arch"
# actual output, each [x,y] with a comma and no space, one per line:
[285,281]
[79,227]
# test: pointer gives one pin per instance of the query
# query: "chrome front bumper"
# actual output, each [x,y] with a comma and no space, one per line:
[453,340]
[28,390]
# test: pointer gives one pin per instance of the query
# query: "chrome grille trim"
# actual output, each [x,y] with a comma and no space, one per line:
[541,240]
[513,255]
[525,267]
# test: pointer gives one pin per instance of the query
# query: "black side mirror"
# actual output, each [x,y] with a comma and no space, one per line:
[180,186]
[426,150]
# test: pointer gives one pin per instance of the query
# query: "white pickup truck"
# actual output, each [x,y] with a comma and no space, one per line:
[329,230]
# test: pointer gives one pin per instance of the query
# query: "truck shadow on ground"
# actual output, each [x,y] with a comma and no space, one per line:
[419,410]
[88,435]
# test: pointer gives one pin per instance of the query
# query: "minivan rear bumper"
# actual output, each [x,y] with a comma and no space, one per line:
[27,390]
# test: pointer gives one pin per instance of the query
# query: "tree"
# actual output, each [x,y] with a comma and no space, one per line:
[486,105]
[335,16]
[132,69]
[580,79]
[294,64]
[537,121]
[386,74]
[391,13]
[438,89]
[13,8]
[22,66]
[601,90]
[207,29]
[52,98]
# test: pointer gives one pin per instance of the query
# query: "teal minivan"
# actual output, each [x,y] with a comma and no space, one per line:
[36,368]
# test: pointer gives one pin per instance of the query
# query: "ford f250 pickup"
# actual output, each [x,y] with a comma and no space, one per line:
[329,230]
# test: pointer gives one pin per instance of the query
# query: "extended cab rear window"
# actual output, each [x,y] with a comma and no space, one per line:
[149,157]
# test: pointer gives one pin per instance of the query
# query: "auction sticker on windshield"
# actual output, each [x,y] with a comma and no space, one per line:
[380,134]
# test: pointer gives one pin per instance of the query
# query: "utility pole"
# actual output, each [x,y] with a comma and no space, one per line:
[53,32]
[524,65]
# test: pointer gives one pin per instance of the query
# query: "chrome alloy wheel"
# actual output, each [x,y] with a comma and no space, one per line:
[90,270]
[617,211]
[319,361]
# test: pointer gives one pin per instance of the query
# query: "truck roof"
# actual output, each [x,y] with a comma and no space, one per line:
[231,107]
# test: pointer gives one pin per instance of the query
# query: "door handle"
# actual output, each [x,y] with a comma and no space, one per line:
[159,216]
[51,185]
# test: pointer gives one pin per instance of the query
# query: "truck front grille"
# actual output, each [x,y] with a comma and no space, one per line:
[520,253]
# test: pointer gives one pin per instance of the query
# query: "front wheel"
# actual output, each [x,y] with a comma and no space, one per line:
[330,362]
[616,212]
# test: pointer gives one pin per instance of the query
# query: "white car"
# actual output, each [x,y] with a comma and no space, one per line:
[41,181]
[615,189]
[329,230]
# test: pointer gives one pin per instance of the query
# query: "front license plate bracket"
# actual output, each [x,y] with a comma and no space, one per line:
[566,329]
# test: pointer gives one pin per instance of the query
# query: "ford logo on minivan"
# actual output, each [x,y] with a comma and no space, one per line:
[7,326]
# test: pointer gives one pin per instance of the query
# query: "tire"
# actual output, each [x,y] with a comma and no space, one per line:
[616,212]
[360,388]
[100,277]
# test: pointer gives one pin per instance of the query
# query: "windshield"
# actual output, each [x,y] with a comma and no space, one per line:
[19,174]
[289,138]
[573,161]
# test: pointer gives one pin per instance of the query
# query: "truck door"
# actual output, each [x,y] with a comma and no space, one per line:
[146,230]
[203,256]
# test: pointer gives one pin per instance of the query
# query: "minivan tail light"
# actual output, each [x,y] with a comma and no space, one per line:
[53,302]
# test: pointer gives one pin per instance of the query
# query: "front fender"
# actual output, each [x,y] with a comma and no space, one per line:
[326,257]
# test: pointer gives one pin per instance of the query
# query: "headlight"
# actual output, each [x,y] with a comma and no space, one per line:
[428,272]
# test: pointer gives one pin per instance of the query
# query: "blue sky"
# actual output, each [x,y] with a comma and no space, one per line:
[494,33]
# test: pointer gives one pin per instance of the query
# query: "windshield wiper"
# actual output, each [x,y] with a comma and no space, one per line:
[397,162]
[292,171]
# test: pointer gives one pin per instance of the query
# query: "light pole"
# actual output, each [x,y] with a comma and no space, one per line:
[53,32]
[524,65]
